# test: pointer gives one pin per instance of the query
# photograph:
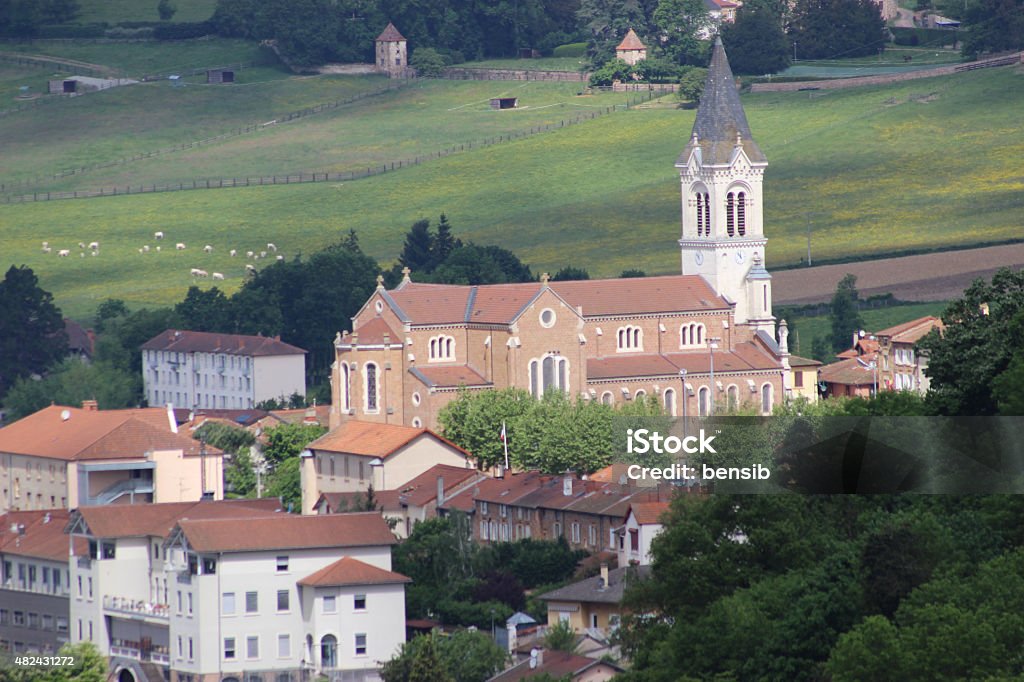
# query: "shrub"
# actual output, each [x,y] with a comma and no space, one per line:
[570,50]
[691,84]
[183,30]
[428,62]
[615,70]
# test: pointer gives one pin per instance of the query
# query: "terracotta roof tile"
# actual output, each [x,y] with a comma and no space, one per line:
[648,512]
[114,521]
[287,531]
[422,489]
[640,295]
[390,34]
[449,376]
[627,366]
[349,571]
[797,361]
[557,665]
[500,304]
[432,303]
[43,536]
[372,333]
[848,372]
[357,437]
[744,357]
[913,331]
[94,434]
[631,42]
[180,341]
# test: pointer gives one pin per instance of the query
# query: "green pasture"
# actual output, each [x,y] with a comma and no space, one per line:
[923,164]
[893,56]
[809,328]
[116,11]
[135,60]
[417,120]
[540,64]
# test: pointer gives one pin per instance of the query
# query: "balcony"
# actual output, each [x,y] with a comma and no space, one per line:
[137,609]
[140,651]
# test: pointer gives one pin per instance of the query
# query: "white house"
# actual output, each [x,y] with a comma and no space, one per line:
[641,526]
[226,371]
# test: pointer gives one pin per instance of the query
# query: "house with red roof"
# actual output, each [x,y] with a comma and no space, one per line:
[641,525]
[631,50]
[704,337]
[358,454]
[64,457]
[197,370]
[560,665]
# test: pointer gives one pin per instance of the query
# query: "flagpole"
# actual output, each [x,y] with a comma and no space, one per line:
[504,440]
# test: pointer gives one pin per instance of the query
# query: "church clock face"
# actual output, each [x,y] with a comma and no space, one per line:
[739,258]
[698,258]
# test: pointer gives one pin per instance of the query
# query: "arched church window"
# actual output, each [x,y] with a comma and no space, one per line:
[630,338]
[766,399]
[741,213]
[372,396]
[707,214]
[730,214]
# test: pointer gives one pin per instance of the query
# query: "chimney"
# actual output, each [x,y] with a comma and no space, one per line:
[499,471]
[567,485]
[90,406]
[171,421]
[604,575]
[440,490]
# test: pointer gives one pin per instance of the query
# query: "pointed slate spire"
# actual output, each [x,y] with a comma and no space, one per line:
[721,124]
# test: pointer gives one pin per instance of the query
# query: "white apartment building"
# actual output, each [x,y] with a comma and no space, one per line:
[220,371]
[237,591]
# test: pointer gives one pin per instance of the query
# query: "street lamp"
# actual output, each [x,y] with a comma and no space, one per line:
[873,366]
[712,345]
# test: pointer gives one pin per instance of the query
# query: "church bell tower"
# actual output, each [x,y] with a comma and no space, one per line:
[720,172]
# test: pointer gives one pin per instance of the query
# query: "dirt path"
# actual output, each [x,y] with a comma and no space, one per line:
[928,277]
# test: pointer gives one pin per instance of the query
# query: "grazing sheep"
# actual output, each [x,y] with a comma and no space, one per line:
[250,268]
[47,249]
[81,245]
[158,249]
[45,244]
[280,258]
[82,255]
[196,272]
[145,248]
[263,254]
[140,250]
[64,253]
[248,254]
[94,246]
[95,253]
[218,275]
[158,235]
[179,246]
[232,253]
[208,249]
[271,247]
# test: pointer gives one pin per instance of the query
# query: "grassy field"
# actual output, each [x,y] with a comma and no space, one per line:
[541,64]
[135,60]
[417,120]
[115,11]
[809,328]
[877,170]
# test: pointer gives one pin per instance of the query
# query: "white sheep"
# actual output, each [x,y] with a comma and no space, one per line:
[81,245]
[47,249]
[94,246]
[248,254]
[263,254]
[179,246]
[158,235]
[271,247]
[158,249]
[218,275]
[280,258]
[145,249]
[82,255]
[232,253]
[208,249]
[196,272]
[95,253]
[250,268]
[45,244]
[64,253]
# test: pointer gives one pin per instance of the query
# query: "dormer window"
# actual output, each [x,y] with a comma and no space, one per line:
[442,348]
[629,338]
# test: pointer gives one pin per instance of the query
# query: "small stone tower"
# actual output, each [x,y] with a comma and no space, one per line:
[392,58]
[631,50]
[721,171]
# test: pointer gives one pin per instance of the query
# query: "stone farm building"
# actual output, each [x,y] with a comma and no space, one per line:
[613,340]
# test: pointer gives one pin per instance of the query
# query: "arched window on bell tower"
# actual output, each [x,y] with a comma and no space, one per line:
[702,205]
[730,214]
[741,213]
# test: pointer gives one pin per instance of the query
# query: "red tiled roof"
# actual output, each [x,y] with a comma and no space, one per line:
[321,413]
[43,536]
[631,42]
[94,434]
[79,339]
[179,341]
[390,34]
[556,664]
[797,361]
[648,512]
[113,521]
[744,357]
[355,437]
[372,333]
[422,489]
[349,571]
[624,366]
[287,531]
[450,376]
[432,303]
[500,304]
[913,331]
[848,372]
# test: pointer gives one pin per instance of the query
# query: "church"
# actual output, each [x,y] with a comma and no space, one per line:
[699,341]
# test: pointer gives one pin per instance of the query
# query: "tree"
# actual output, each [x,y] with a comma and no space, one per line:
[416,253]
[691,84]
[626,274]
[31,328]
[205,311]
[443,243]
[472,264]
[844,313]
[569,273]
[561,637]
[285,442]
[285,482]
[240,475]
[231,439]
[464,656]
[166,9]
[830,29]
[87,665]
[681,23]
[607,22]
[428,62]
[992,26]
[69,383]
[755,42]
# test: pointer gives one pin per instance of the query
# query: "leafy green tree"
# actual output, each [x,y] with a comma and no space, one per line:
[983,333]
[691,84]
[569,273]
[110,309]
[612,71]
[626,274]
[607,22]
[471,656]
[444,243]
[844,313]
[69,383]
[88,665]
[561,637]
[992,26]
[285,482]
[755,42]
[1008,388]
[233,439]
[501,586]
[473,264]
[416,251]
[680,24]
[205,310]
[869,653]
[240,475]
[31,328]
[831,29]
[286,441]
[428,62]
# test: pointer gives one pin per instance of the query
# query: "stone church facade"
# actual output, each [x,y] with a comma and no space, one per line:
[700,341]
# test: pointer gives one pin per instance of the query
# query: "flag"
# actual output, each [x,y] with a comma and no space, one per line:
[502,436]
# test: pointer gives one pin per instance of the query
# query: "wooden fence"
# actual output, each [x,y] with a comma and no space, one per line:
[463,74]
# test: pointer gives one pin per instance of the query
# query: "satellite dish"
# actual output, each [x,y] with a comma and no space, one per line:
[534,653]
[65,415]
